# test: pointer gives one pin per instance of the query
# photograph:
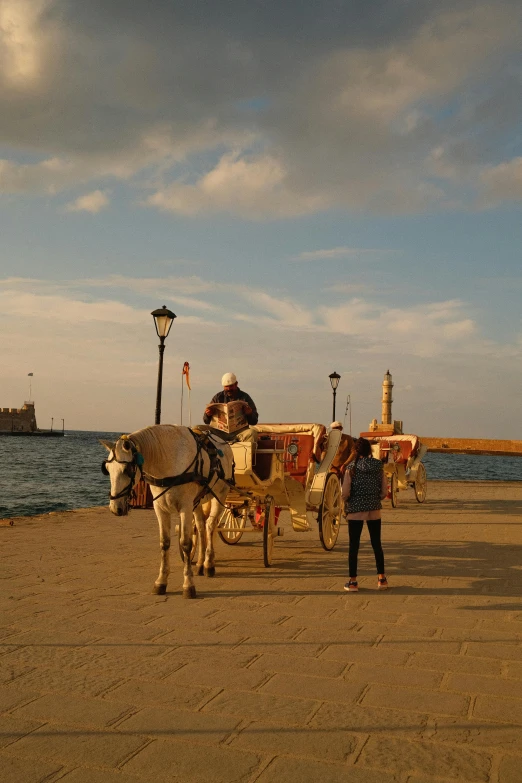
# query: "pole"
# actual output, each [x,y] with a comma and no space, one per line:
[334,396]
[63,426]
[52,422]
[161,348]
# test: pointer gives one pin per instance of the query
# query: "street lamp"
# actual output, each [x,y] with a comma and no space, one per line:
[163,320]
[334,380]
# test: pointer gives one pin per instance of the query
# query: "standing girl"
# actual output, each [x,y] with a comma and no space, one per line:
[364,487]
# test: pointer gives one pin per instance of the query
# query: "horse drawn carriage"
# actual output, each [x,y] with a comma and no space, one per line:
[402,458]
[288,468]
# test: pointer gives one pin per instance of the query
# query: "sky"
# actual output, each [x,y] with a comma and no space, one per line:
[311,187]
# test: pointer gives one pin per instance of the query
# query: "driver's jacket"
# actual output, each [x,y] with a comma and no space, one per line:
[222,396]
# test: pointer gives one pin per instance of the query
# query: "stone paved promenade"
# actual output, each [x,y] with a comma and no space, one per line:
[271,675]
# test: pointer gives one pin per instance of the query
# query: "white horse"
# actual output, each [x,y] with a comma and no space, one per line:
[184,476]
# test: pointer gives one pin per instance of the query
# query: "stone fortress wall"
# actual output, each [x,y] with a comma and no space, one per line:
[18,419]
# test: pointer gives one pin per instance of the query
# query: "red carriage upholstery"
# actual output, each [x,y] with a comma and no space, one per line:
[296,466]
[398,448]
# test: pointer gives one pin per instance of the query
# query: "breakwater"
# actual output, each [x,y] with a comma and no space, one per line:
[487,446]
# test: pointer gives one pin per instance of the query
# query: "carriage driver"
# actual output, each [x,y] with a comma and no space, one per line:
[230,393]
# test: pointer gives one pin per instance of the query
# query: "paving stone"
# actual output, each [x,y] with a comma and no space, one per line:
[432,646]
[397,676]
[298,648]
[92,775]
[272,739]
[417,700]
[365,653]
[77,711]
[430,758]
[72,747]
[506,652]
[12,696]
[471,683]
[160,760]
[263,706]
[513,669]
[141,693]
[217,677]
[311,667]
[232,658]
[510,769]
[82,682]
[502,710]
[476,733]
[50,654]
[167,723]
[12,728]
[305,771]
[366,720]
[456,663]
[319,688]
[22,770]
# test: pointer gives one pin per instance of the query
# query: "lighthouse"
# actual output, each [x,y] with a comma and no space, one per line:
[387,386]
[387,426]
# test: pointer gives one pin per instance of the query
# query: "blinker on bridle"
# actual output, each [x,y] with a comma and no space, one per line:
[131,466]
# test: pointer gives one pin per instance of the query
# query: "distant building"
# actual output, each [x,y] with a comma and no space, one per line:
[18,419]
[387,426]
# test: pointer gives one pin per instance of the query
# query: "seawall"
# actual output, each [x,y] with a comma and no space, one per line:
[507,448]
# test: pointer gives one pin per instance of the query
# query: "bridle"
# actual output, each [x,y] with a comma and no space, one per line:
[131,466]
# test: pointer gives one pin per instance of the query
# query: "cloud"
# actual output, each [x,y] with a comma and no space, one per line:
[391,109]
[334,252]
[502,182]
[91,202]
[95,357]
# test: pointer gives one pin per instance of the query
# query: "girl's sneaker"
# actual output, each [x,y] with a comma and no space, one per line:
[351,586]
[382,583]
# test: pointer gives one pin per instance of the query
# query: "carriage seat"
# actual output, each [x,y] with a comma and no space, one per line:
[270,447]
[407,446]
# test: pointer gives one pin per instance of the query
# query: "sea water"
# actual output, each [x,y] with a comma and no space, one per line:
[39,475]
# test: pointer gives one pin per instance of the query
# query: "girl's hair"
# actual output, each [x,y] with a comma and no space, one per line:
[363,448]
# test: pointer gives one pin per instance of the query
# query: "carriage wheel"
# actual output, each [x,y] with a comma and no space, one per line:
[269,531]
[231,517]
[394,490]
[421,484]
[329,516]
[194,550]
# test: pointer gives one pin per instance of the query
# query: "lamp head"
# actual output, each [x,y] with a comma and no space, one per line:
[334,380]
[163,320]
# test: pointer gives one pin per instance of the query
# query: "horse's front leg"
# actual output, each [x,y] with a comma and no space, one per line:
[216,509]
[160,585]
[185,532]
[199,518]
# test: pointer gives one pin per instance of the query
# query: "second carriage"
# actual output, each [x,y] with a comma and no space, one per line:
[288,468]
[402,461]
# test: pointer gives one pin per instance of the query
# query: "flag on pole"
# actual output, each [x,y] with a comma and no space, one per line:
[29,374]
[186,373]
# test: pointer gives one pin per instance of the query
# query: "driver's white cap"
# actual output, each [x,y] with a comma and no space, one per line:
[336,425]
[228,379]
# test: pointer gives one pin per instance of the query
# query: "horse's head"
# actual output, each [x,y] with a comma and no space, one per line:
[122,467]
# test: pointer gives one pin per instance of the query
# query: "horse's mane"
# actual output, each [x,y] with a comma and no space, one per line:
[159,444]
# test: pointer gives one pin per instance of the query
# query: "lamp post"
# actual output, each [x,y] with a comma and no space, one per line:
[163,320]
[334,380]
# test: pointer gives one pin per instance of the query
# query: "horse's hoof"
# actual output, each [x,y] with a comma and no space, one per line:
[160,589]
[190,592]
[201,570]
[210,571]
